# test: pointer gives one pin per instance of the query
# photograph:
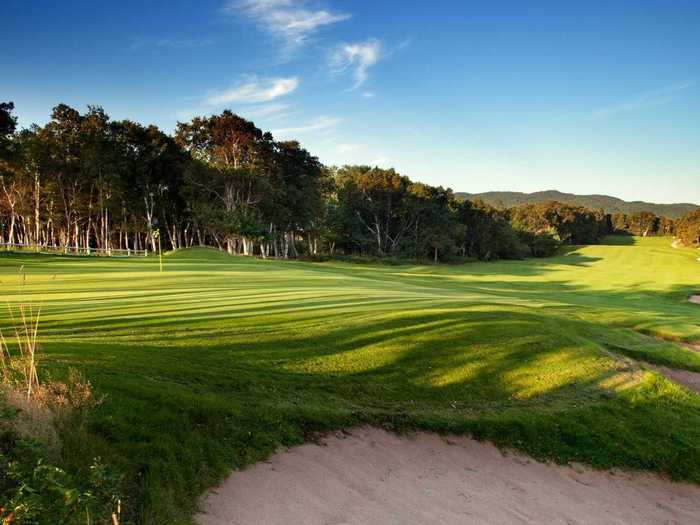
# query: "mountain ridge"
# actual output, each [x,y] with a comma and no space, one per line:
[509,199]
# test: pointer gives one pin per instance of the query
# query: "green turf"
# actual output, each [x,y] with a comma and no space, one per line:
[217,361]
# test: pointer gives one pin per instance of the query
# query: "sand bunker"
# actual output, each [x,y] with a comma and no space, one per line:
[695,347]
[694,298]
[373,476]
[690,380]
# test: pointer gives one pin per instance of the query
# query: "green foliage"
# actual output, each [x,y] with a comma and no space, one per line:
[8,125]
[380,212]
[84,181]
[8,122]
[643,223]
[688,229]
[571,225]
[541,244]
[35,492]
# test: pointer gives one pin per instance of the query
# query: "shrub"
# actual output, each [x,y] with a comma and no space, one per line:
[542,244]
[688,228]
[35,492]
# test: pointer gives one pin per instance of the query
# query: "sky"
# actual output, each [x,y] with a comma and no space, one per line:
[584,97]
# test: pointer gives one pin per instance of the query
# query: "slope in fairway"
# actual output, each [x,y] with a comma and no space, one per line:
[214,363]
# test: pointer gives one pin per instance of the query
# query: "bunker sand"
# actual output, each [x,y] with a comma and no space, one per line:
[373,476]
[690,380]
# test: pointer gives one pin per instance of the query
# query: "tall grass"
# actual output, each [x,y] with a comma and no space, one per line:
[19,369]
[19,359]
[33,491]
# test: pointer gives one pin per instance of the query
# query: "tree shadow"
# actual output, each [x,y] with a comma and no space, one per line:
[209,381]
[184,263]
[520,378]
[618,240]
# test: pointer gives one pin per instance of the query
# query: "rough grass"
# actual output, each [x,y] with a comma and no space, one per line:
[217,361]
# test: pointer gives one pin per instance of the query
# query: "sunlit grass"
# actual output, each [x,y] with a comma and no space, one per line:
[216,361]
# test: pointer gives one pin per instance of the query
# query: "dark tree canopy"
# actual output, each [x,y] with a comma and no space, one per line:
[571,224]
[84,181]
[8,123]
[688,228]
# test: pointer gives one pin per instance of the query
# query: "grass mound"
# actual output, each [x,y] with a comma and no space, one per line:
[215,362]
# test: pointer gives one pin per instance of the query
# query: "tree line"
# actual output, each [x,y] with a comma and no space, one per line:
[643,224]
[687,229]
[84,181]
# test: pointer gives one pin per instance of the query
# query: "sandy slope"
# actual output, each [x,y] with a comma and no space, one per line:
[375,477]
[690,380]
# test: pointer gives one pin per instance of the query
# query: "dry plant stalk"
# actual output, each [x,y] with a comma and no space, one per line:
[43,405]
[19,380]
[19,370]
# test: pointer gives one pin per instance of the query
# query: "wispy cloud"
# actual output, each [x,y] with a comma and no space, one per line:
[322,123]
[187,114]
[169,43]
[647,99]
[293,22]
[266,110]
[357,57]
[252,90]
[381,162]
[347,148]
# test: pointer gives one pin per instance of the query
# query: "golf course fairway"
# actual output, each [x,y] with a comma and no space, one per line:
[218,360]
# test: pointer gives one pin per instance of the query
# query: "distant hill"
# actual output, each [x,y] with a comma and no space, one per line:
[508,199]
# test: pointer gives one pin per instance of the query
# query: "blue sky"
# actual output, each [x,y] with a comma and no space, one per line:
[587,97]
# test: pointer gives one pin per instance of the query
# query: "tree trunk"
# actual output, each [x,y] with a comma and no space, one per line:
[37,205]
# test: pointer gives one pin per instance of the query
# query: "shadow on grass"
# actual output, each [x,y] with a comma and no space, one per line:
[192,261]
[262,299]
[619,240]
[219,371]
[179,417]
